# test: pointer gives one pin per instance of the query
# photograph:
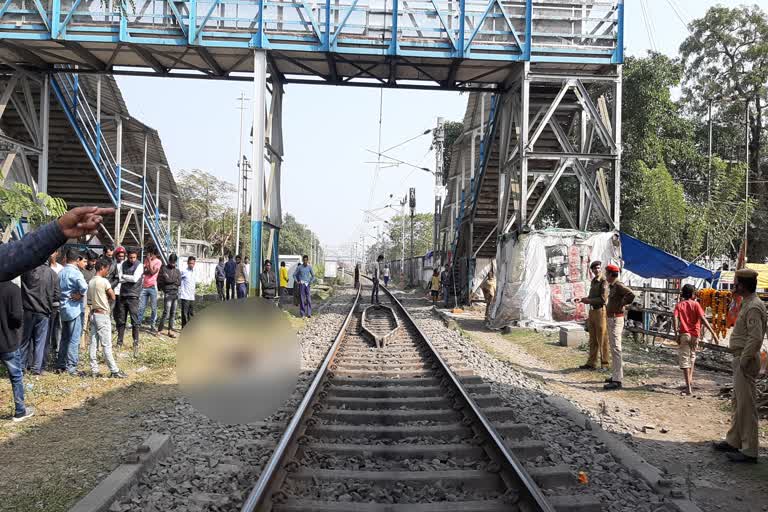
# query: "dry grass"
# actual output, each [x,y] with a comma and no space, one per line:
[80,426]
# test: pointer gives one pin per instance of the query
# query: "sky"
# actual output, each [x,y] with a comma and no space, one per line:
[327,172]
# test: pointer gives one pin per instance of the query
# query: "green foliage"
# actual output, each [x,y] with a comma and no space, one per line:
[391,246]
[295,237]
[20,201]
[726,63]
[208,206]
[451,131]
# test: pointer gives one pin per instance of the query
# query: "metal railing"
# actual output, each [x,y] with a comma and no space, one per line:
[124,187]
[489,29]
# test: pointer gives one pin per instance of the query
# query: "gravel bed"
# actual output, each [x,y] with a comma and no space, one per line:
[567,442]
[213,466]
[364,492]
[325,460]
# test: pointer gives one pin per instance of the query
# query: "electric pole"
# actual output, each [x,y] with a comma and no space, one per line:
[412,204]
[403,202]
[439,142]
[240,180]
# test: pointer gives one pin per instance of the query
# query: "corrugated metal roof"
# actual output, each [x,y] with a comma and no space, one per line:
[134,132]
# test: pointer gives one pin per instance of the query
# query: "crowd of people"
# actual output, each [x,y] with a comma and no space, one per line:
[65,301]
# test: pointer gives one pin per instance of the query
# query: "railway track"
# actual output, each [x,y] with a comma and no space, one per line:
[392,423]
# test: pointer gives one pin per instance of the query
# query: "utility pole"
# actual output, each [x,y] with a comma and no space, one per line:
[403,202]
[709,180]
[439,142]
[240,157]
[746,191]
[412,204]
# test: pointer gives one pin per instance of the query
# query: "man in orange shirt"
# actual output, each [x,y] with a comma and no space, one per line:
[687,319]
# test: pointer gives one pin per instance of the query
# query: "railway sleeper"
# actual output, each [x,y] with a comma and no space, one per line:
[404,391]
[510,430]
[436,401]
[453,479]
[395,416]
[301,505]
[397,374]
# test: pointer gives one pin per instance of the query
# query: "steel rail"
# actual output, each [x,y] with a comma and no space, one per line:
[531,489]
[262,490]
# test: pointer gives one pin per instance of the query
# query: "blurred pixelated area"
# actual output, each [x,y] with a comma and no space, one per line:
[238,362]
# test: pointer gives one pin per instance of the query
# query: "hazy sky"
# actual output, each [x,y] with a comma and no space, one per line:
[326,177]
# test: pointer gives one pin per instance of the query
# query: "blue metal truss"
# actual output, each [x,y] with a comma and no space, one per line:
[488,30]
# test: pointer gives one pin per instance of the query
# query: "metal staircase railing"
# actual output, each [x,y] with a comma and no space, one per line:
[125,187]
[485,151]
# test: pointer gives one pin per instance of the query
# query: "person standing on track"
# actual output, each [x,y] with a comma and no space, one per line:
[619,297]
[376,277]
[686,321]
[597,322]
[304,276]
[357,275]
[247,274]
[741,443]
[445,282]
[385,274]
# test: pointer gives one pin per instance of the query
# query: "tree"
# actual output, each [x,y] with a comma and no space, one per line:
[295,237]
[391,247]
[726,62]
[19,201]
[451,131]
[208,204]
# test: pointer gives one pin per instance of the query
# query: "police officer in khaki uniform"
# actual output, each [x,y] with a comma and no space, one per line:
[741,442]
[619,297]
[597,321]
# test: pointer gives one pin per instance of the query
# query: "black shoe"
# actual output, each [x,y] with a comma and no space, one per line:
[737,456]
[587,367]
[612,385]
[609,380]
[96,375]
[118,375]
[724,446]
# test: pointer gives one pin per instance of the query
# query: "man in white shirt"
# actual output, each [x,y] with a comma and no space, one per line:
[187,292]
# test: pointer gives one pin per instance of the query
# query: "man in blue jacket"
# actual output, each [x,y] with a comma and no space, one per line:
[230,269]
[73,288]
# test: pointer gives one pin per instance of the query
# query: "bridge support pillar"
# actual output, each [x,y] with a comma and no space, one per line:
[45,111]
[257,190]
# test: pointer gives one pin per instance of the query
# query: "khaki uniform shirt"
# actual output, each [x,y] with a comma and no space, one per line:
[489,289]
[618,297]
[598,292]
[748,332]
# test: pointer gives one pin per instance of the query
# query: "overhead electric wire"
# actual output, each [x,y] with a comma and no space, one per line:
[673,5]
[648,29]
[426,132]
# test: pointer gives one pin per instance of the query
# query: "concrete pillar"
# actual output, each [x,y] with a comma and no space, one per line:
[257,202]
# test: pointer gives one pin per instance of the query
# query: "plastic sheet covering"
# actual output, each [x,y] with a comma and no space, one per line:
[540,273]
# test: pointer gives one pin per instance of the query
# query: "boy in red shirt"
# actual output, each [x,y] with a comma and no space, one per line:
[687,320]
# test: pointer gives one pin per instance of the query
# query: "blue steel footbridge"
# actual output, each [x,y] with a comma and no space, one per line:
[535,64]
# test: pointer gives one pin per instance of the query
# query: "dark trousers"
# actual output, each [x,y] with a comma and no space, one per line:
[123,307]
[230,288]
[305,300]
[34,340]
[187,311]
[169,311]
[54,337]
[220,289]
[242,290]
[375,292]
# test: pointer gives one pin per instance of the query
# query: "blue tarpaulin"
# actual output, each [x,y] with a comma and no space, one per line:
[648,261]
